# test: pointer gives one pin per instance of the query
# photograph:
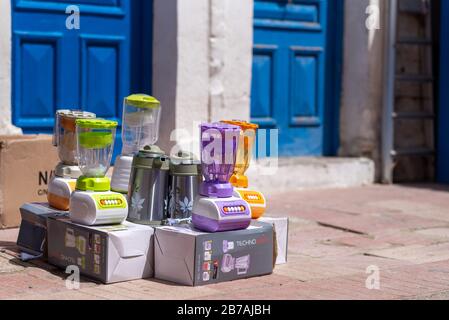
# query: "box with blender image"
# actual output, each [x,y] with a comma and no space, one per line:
[280,225]
[32,237]
[187,256]
[111,253]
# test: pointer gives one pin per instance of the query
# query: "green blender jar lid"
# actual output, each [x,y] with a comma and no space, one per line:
[96,139]
[96,124]
[142,101]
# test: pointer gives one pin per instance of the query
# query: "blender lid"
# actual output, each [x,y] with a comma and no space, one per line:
[219,126]
[96,124]
[184,164]
[76,114]
[141,100]
[67,171]
[152,151]
[151,157]
[244,125]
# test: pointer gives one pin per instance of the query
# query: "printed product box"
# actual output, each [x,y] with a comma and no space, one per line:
[26,165]
[109,254]
[33,229]
[186,256]
[280,226]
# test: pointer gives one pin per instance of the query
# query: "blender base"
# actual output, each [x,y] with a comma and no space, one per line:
[220,214]
[211,225]
[255,199]
[121,174]
[98,208]
[59,191]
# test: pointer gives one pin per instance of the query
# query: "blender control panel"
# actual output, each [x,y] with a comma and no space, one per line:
[229,208]
[252,196]
[111,201]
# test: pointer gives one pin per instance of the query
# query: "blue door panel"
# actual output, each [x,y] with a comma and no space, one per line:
[443,107]
[88,69]
[290,73]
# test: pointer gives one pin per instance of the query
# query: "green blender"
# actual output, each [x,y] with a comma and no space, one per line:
[93,202]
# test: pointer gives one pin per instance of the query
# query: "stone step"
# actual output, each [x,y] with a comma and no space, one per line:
[300,173]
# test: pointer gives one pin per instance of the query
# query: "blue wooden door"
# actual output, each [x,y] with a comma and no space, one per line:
[295,73]
[90,68]
[443,108]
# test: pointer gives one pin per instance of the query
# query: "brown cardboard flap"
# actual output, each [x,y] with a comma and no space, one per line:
[26,165]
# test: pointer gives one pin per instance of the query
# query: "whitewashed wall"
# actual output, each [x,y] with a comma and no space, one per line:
[6,126]
[201,63]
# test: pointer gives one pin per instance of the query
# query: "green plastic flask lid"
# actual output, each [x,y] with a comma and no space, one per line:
[142,101]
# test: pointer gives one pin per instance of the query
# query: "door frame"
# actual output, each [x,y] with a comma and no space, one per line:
[442,134]
[333,77]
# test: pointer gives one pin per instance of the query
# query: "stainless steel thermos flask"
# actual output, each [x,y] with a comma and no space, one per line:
[184,180]
[148,187]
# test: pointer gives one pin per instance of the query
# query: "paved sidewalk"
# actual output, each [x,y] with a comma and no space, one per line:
[335,235]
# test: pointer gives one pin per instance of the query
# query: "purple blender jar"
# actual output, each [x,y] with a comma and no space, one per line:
[216,209]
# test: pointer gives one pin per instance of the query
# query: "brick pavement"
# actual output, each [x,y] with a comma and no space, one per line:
[334,236]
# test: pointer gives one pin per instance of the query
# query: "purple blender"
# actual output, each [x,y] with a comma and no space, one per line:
[216,209]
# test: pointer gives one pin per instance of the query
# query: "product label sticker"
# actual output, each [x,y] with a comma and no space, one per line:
[70,239]
[206,266]
[207,245]
[228,246]
[81,262]
[97,239]
[96,258]
[81,244]
[207,255]
[97,248]
[206,276]
[96,269]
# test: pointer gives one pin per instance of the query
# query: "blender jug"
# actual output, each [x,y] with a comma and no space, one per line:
[244,152]
[140,127]
[64,135]
[184,181]
[218,154]
[239,180]
[95,144]
[147,196]
[141,118]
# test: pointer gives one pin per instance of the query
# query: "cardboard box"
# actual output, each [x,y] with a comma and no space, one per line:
[280,226]
[107,253]
[33,229]
[26,165]
[186,256]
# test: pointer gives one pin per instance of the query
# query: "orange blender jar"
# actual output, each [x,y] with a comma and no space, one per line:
[239,180]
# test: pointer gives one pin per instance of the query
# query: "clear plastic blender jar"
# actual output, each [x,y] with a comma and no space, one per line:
[64,135]
[141,118]
[244,151]
[95,143]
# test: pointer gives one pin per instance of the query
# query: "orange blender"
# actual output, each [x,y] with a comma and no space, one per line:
[255,199]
